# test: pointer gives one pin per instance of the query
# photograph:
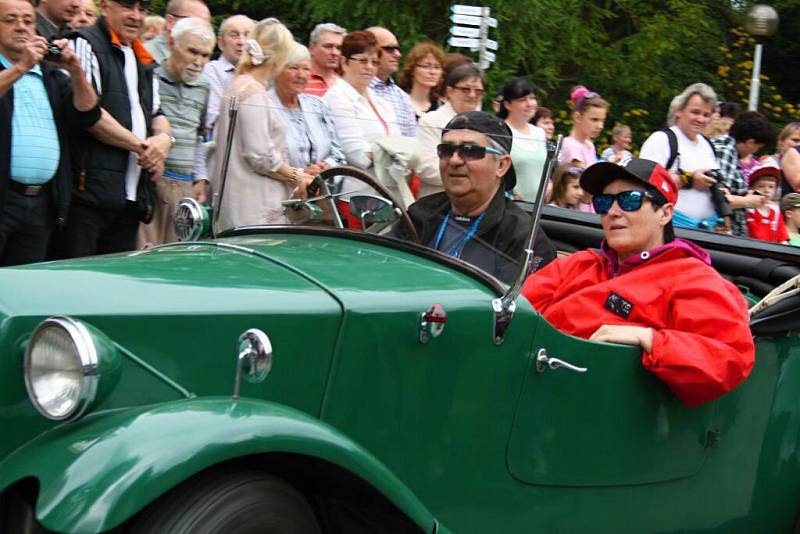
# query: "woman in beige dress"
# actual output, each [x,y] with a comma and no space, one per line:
[259,177]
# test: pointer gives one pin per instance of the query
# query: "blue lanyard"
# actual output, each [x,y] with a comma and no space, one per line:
[455,251]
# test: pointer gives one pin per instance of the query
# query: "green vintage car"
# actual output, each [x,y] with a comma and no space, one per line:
[309,378]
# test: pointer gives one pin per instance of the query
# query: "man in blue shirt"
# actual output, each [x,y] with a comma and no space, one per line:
[39,104]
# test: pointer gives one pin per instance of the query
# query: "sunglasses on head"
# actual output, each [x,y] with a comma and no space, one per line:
[466,151]
[575,171]
[627,200]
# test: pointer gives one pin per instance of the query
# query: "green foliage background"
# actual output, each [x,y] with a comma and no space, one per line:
[637,53]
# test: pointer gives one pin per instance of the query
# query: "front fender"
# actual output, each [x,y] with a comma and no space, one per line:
[98,472]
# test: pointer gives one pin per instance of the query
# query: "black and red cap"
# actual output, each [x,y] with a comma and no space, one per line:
[598,176]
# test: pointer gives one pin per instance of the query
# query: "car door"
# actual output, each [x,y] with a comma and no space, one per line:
[614,424]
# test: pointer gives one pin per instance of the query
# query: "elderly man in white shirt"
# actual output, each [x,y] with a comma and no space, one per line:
[233,33]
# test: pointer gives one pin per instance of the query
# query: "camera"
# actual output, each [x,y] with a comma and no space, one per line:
[53,53]
[721,205]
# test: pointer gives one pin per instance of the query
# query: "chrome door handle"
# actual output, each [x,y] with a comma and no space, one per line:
[543,362]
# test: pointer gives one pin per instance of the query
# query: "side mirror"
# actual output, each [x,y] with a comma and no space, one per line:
[371,209]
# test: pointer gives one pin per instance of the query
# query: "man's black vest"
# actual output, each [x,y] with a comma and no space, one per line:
[100,176]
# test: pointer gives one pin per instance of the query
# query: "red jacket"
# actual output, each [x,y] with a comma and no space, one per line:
[702,345]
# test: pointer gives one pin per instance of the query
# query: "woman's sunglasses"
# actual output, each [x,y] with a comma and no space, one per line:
[627,200]
[466,151]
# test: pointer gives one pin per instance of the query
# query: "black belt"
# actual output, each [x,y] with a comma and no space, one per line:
[28,190]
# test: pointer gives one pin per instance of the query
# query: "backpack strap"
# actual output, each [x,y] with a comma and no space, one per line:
[713,148]
[672,139]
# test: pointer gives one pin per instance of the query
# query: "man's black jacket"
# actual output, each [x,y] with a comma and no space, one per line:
[499,241]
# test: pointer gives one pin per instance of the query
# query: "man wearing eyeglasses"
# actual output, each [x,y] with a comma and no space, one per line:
[39,107]
[473,219]
[384,85]
[646,288]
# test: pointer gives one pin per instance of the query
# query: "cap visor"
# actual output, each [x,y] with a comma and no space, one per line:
[598,176]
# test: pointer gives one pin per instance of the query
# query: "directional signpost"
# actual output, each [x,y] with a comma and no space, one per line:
[471,30]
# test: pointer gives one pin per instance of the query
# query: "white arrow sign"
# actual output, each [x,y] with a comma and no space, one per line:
[463,41]
[492,22]
[489,55]
[467,19]
[462,31]
[466,10]
[491,45]
[483,64]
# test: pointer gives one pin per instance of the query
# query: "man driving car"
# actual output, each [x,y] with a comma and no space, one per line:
[472,218]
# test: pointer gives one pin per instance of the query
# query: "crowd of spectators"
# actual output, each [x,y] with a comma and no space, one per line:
[101,141]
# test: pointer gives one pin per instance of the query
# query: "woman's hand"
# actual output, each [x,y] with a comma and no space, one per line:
[626,335]
[314,169]
[302,181]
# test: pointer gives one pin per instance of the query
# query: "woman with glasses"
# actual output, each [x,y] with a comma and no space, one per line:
[518,106]
[311,138]
[422,75]
[646,288]
[359,115]
[464,92]
[259,174]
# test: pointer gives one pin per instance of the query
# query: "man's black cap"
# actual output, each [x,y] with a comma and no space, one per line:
[493,127]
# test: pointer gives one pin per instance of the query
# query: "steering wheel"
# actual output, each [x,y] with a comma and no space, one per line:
[327,176]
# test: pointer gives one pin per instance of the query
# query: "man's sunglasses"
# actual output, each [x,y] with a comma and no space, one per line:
[391,49]
[627,200]
[467,151]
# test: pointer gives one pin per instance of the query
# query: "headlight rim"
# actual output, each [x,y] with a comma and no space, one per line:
[87,353]
[198,220]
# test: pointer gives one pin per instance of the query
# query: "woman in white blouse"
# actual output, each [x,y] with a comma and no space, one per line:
[359,115]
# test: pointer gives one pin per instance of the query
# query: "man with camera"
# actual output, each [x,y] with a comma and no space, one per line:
[39,104]
[748,134]
[689,156]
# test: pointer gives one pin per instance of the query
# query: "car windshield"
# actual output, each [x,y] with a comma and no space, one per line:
[249,194]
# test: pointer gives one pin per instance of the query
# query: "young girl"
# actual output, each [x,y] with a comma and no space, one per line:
[567,192]
[588,118]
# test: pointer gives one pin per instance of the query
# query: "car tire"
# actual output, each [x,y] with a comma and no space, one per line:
[235,502]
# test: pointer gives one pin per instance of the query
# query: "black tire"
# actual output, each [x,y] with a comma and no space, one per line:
[229,502]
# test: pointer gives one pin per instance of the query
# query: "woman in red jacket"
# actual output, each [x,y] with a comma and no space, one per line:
[646,288]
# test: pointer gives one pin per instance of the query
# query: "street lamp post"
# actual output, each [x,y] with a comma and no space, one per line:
[761,21]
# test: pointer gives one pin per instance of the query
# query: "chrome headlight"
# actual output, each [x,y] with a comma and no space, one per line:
[62,367]
[192,220]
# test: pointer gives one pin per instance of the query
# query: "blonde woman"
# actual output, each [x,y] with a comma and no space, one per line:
[259,176]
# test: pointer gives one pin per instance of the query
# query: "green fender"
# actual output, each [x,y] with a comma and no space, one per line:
[98,472]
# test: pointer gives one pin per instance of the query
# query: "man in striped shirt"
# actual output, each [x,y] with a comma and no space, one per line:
[384,85]
[325,46]
[184,99]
